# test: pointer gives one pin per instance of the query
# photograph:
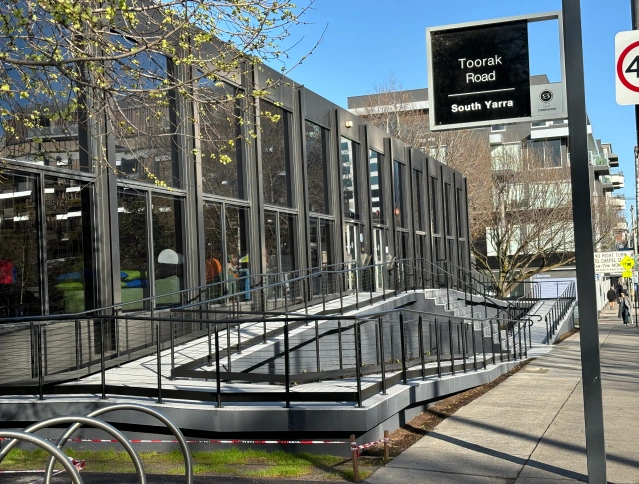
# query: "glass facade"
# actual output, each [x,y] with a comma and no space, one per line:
[349,179]
[182,201]
[19,275]
[68,241]
[375,173]
[398,192]
[276,167]
[316,168]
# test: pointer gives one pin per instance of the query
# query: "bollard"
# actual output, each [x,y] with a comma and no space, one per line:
[354,455]
[386,449]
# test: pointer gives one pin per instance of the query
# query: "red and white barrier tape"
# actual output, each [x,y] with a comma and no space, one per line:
[356,447]
[156,441]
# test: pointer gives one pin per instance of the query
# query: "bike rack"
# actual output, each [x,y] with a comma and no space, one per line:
[76,422]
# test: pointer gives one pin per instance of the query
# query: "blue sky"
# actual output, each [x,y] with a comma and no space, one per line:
[366,40]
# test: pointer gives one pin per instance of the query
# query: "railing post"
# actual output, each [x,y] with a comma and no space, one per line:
[402,345]
[381,353]
[483,343]
[159,362]
[317,347]
[507,342]
[519,333]
[450,343]
[40,365]
[218,382]
[287,364]
[492,340]
[547,330]
[356,287]
[172,328]
[341,293]
[339,344]
[464,341]
[420,329]
[472,332]
[358,370]
[208,333]
[438,346]
[77,343]
[102,364]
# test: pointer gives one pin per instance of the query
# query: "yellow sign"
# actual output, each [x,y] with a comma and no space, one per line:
[627,263]
[626,273]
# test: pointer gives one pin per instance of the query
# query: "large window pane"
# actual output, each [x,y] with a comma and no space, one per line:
[316,168]
[222,170]
[69,269]
[418,200]
[167,248]
[275,156]
[134,250]
[349,179]
[398,181]
[375,171]
[237,245]
[288,241]
[270,230]
[213,250]
[19,292]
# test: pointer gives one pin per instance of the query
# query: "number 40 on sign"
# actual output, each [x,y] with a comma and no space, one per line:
[627,67]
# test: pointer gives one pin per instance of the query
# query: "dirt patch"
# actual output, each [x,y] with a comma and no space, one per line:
[405,436]
[565,335]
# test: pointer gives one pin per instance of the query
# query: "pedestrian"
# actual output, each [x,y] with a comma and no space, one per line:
[624,308]
[611,295]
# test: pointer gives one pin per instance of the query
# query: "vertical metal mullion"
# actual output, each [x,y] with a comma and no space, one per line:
[41,231]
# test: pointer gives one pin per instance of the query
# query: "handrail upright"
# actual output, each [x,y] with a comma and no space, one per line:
[450,342]
[420,329]
[402,336]
[358,370]
[381,353]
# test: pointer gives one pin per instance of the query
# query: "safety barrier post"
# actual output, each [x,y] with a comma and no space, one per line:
[386,448]
[464,344]
[547,330]
[438,347]
[483,342]
[472,332]
[354,455]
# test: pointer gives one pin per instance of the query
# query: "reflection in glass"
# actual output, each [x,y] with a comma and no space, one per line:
[222,172]
[167,248]
[68,221]
[398,181]
[321,232]
[418,193]
[275,157]
[19,292]
[316,168]
[270,229]
[288,231]
[134,250]
[375,169]
[237,247]
[213,250]
[349,179]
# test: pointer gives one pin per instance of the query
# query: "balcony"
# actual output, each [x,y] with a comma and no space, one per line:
[618,180]
[613,160]
[606,183]
[600,164]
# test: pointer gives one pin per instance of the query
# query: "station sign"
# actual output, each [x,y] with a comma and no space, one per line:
[479,75]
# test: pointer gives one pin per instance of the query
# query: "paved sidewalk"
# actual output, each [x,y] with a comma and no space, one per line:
[530,429]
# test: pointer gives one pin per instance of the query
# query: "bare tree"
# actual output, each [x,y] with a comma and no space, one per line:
[520,201]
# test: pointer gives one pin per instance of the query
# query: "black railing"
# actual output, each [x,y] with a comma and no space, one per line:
[373,351]
[559,309]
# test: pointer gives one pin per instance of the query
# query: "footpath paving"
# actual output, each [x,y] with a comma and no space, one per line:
[530,428]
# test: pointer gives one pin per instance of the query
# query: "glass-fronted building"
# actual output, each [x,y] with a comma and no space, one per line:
[92,214]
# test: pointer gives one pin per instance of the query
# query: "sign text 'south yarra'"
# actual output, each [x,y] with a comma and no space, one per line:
[480,73]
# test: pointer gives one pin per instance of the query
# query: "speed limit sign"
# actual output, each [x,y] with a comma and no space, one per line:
[627,67]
